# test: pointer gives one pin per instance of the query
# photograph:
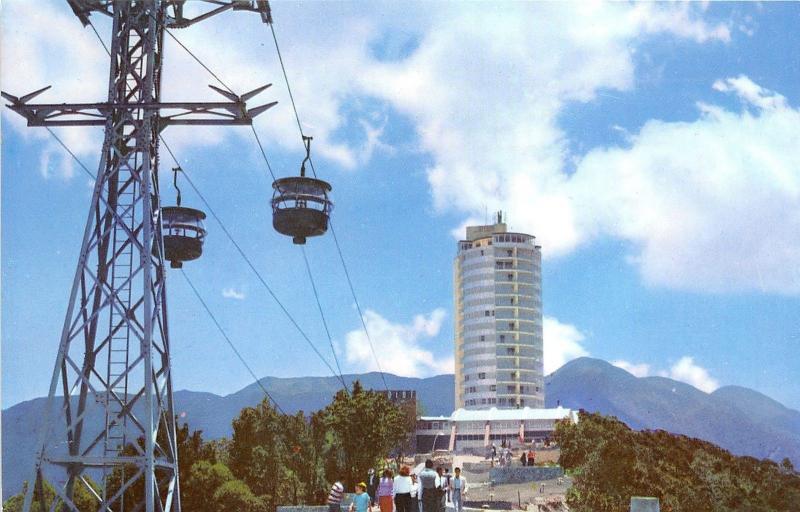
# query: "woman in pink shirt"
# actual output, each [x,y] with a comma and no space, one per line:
[386,491]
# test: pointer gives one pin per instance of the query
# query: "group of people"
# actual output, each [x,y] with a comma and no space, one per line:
[505,456]
[428,491]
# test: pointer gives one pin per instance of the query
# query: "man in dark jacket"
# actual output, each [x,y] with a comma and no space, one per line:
[372,485]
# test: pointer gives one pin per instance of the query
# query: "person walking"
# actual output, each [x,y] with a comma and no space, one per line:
[361,501]
[402,490]
[429,483]
[416,503]
[524,458]
[385,493]
[372,485]
[440,491]
[531,457]
[458,487]
[335,496]
[446,484]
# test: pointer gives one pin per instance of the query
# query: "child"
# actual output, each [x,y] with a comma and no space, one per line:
[361,502]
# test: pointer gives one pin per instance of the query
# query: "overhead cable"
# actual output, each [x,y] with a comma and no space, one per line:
[336,240]
[252,267]
[230,343]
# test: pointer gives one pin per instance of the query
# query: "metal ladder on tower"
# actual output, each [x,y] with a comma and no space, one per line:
[120,333]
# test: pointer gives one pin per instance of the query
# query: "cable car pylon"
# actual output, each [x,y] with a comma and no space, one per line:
[111,387]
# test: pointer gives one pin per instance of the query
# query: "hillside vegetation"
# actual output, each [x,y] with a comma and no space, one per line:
[611,462]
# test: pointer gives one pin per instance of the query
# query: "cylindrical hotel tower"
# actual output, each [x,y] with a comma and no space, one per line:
[498,319]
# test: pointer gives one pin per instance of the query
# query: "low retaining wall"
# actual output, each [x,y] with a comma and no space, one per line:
[347,499]
[524,474]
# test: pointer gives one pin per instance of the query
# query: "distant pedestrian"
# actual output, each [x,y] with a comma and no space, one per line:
[531,457]
[385,492]
[441,492]
[416,503]
[429,482]
[372,485]
[446,484]
[524,458]
[458,487]
[403,485]
[361,502]
[335,496]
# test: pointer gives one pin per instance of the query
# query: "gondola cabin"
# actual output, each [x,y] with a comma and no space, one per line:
[183,234]
[301,207]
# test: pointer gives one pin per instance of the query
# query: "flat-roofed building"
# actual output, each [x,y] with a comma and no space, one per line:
[498,319]
[475,430]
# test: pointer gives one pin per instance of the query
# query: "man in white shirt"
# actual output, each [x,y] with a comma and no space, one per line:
[458,486]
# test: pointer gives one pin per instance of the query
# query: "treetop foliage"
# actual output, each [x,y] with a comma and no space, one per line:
[611,462]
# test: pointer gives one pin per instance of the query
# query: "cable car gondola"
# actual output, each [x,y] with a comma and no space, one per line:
[300,205]
[182,231]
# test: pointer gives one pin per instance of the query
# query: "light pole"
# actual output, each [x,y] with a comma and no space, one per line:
[433,448]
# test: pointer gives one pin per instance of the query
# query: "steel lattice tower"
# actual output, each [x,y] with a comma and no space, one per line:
[109,423]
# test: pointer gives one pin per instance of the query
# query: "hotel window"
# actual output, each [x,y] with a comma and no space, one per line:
[483,401]
[511,325]
[502,338]
[466,378]
[511,389]
[510,252]
[502,401]
[493,387]
[483,338]
[510,351]
[481,375]
[510,277]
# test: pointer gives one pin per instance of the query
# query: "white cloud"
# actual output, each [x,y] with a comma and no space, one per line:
[484,87]
[684,370]
[639,370]
[400,348]
[232,293]
[709,205]
[562,343]
[751,92]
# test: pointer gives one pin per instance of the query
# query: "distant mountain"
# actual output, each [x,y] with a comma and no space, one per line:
[738,419]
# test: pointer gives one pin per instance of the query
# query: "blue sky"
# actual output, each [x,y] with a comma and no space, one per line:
[653,149]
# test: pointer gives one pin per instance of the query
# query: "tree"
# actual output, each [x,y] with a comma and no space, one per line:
[366,426]
[610,463]
[197,491]
[235,496]
[259,454]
